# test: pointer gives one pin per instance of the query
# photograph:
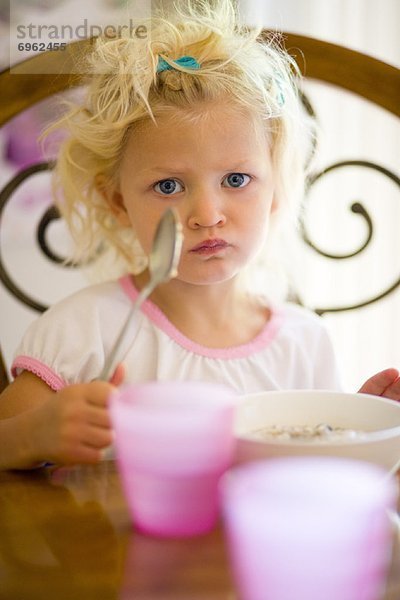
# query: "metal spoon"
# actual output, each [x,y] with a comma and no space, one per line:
[163,262]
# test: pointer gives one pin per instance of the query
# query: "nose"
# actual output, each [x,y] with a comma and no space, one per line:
[205,210]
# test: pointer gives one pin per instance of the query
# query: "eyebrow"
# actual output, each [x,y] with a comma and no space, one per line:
[178,170]
[168,169]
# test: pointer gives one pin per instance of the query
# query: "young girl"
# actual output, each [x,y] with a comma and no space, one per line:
[202,116]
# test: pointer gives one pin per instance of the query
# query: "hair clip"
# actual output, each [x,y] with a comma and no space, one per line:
[280,95]
[185,61]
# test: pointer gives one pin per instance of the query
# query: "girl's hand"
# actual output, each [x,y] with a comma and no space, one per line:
[386,384]
[73,425]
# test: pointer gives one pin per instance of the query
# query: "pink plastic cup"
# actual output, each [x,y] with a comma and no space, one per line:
[173,442]
[309,528]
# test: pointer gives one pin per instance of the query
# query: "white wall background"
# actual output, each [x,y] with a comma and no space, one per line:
[366,340]
[369,26]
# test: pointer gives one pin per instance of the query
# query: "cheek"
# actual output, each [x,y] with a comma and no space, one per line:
[145,237]
[257,226]
[143,228]
[259,217]
[143,219]
[257,236]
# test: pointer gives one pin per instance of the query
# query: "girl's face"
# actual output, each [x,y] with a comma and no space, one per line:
[216,172]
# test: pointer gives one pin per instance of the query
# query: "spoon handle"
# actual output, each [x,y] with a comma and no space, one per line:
[115,356]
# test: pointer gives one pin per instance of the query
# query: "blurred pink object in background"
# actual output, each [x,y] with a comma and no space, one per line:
[21,139]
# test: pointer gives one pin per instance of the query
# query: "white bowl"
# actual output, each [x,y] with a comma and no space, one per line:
[378,417]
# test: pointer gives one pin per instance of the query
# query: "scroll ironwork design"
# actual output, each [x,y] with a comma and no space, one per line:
[358,209]
[50,214]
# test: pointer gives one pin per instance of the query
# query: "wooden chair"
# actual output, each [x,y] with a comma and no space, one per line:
[48,73]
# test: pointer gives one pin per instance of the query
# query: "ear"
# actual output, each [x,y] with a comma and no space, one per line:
[113,198]
[116,203]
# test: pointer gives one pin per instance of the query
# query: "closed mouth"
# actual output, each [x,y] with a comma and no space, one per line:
[212,244]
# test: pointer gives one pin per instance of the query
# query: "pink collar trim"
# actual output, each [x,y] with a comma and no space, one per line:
[263,339]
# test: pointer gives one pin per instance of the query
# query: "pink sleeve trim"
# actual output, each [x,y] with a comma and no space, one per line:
[155,315]
[27,363]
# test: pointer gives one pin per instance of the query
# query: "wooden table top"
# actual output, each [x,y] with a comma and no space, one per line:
[66,534]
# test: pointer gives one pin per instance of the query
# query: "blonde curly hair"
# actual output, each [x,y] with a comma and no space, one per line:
[237,66]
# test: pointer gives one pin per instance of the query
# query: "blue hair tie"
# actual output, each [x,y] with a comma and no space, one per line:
[185,61]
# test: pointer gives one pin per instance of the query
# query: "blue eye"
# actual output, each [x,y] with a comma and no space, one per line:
[168,187]
[237,180]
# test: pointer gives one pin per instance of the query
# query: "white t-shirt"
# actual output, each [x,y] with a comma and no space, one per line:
[69,342]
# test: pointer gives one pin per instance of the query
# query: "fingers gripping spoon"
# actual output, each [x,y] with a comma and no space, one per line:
[163,261]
